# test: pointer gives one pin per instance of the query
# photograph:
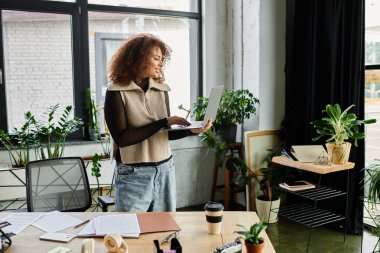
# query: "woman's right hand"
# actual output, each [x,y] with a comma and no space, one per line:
[175,120]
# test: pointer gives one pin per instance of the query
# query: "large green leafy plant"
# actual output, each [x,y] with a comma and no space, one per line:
[339,125]
[234,107]
[52,134]
[21,142]
[49,136]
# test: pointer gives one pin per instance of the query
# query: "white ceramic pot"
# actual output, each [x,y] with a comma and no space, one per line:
[268,210]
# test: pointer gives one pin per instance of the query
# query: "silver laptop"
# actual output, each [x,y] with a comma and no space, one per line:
[211,110]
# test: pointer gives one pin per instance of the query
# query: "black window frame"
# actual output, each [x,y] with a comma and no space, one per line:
[80,47]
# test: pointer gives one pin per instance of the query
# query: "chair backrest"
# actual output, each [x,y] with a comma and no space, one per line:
[57,184]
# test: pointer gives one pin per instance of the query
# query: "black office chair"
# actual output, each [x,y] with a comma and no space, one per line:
[57,184]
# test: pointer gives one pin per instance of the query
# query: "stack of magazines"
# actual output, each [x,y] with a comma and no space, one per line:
[297,185]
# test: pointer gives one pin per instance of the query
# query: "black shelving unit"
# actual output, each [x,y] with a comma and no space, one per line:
[310,215]
[306,210]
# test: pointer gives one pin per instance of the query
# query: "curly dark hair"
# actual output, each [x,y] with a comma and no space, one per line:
[131,57]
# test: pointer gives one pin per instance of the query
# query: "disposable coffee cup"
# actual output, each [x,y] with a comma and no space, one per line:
[214,216]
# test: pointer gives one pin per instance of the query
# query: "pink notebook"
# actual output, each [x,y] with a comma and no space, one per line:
[157,222]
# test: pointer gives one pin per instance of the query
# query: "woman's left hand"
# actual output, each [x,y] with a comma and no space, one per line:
[201,130]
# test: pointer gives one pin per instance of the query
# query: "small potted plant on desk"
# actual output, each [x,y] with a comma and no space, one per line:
[253,242]
[338,127]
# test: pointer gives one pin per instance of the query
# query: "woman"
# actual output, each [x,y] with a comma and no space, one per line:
[136,111]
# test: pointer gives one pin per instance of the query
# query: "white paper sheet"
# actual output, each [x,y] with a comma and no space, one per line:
[19,221]
[117,223]
[88,230]
[56,221]
[126,225]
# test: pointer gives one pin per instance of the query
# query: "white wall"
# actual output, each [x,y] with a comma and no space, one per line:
[272,64]
[244,65]
[227,38]
[244,47]
[215,42]
[256,57]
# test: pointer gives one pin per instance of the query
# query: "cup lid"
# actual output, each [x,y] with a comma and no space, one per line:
[213,206]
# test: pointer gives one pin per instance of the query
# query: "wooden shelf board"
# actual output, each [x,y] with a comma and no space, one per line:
[320,169]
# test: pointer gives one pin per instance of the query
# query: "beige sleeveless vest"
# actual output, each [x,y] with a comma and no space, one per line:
[141,109]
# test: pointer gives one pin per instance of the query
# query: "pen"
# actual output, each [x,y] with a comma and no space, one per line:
[82,223]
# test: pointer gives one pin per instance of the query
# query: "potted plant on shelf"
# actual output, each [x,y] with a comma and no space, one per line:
[20,143]
[234,108]
[338,127]
[40,136]
[53,133]
[254,243]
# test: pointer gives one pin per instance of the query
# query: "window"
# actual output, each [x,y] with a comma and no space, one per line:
[37,63]
[372,97]
[372,80]
[53,52]
[107,38]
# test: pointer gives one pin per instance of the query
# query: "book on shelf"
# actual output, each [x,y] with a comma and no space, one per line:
[297,185]
[308,153]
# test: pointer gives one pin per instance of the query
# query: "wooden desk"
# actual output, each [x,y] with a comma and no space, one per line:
[193,235]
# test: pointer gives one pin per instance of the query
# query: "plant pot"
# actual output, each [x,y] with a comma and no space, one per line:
[338,154]
[91,134]
[227,132]
[268,210]
[255,248]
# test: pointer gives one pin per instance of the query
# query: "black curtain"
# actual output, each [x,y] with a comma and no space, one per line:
[325,65]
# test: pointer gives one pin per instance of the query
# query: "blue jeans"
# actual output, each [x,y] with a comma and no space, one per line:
[145,188]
